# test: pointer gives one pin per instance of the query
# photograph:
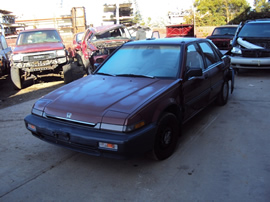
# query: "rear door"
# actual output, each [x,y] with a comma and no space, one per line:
[196,90]
[214,68]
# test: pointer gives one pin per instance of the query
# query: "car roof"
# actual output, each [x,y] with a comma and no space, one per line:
[264,20]
[40,29]
[167,41]
[227,26]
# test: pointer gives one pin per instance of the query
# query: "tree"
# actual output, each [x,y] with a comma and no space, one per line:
[262,5]
[218,12]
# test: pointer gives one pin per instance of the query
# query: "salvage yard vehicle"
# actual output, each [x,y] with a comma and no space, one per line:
[39,52]
[251,45]
[76,44]
[99,42]
[222,37]
[5,53]
[138,105]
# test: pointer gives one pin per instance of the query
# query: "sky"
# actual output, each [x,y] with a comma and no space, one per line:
[29,9]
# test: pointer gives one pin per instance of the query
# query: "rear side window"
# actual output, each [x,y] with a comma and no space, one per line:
[209,54]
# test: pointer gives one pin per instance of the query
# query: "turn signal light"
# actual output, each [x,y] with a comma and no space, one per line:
[108,146]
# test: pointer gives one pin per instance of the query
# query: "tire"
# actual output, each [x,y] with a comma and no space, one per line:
[87,66]
[223,95]
[79,58]
[67,71]
[15,74]
[166,137]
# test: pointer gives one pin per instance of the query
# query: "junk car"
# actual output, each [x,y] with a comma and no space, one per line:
[99,42]
[251,45]
[39,52]
[138,105]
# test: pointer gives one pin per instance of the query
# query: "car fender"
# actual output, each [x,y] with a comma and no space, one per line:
[167,105]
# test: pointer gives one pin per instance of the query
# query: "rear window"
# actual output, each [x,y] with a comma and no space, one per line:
[255,30]
[224,31]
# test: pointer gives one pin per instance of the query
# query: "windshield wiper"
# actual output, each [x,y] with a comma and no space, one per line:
[136,75]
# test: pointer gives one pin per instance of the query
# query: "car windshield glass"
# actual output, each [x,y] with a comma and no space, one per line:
[144,60]
[255,30]
[224,31]
[42,36]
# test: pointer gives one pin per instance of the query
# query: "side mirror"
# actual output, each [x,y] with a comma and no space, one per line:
[194,72]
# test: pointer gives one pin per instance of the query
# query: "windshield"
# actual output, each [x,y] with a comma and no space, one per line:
[224,31]
[38,37]
[144,60]
[255,30]
[119,33]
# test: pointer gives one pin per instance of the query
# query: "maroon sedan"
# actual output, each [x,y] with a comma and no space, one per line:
[137,100]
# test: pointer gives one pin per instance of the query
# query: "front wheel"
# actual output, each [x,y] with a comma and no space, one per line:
[67,71]
[16,78]
[166,137]
[87,66]
[223,95]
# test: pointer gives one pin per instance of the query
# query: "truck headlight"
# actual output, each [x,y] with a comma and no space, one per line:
[236,50]
[60,53]
[17,57]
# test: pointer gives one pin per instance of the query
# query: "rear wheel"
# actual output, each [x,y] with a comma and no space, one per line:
[223,95]
[166,137]
[16,78]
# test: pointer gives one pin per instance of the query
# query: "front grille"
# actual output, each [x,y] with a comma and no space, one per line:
[258,53]
[222,44]
[32,58]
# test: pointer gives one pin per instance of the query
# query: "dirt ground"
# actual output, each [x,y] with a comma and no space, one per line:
[33,89]
[9,96]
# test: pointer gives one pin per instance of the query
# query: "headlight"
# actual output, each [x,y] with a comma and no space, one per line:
[16,57]
[236,50]
[118,121]
[39,106]
[60,53]
[121,128]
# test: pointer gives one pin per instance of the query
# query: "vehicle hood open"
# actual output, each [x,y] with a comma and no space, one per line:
[38,47]
[88,99]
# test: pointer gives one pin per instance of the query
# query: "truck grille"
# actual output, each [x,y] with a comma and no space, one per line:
[258,53]
[31,58]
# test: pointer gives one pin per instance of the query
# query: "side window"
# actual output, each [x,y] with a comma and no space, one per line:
[194,58]
[209,54]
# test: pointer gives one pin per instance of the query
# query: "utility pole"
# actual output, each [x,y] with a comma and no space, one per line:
[117,12]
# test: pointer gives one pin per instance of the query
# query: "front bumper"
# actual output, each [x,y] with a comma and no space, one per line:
[250,63]
[86,140]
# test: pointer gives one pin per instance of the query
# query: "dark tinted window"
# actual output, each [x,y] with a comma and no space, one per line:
[209,54]
[224,31]
[255,30]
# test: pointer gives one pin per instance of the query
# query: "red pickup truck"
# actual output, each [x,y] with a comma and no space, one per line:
[39,52]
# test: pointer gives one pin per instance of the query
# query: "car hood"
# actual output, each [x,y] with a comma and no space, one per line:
[38,47]
[90,98]
[254,43]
